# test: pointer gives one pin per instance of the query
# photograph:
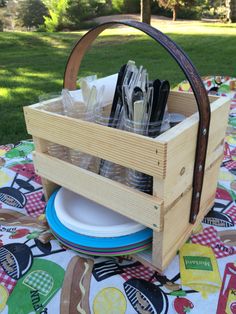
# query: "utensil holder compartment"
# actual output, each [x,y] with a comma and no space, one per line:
[170,158]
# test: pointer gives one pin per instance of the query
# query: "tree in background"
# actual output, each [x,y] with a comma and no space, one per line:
[78,11]
[81,10]
[57,10]
[31,13]
[3,3]
[175,5]
[125,6]
[231,10]
[224,10]
[11,13]
[56,15]
[145,6]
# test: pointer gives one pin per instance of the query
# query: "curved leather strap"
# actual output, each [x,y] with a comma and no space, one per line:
[70,78]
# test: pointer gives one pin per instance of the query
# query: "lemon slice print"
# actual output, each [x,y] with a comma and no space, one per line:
[3,297]
[2,152]
[4,178]
[109,300]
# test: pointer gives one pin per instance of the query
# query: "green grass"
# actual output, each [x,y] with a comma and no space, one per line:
[32,64]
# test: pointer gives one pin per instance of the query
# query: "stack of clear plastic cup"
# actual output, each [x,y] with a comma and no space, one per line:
[58,151]
[78,110]
[135,178]
[55,106]
[165,124]
[107,168]
[176,118]
[111,171]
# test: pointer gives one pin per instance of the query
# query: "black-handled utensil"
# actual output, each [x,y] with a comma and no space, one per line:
[116,110]
[156,91]
[137,94]
[117,96]
[161,93]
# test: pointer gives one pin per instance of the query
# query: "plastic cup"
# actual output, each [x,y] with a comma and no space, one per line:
[55,105]
[78,110]
[109,169]
[176,118]
[135,178]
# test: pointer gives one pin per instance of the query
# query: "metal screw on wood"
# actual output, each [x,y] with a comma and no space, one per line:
[197,195]
[182,171]
[200,168]
[204,131]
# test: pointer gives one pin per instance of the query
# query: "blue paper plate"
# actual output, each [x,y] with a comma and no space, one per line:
[86,248]
[116,252]
[92,242]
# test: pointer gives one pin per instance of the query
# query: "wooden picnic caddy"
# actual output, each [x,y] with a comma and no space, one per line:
[184,161]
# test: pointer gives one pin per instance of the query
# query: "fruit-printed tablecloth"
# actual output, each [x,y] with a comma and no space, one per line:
[38,275]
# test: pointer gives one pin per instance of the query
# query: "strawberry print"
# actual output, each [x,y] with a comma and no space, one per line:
[182,305]
[26,170]
[19,233]
[208,83]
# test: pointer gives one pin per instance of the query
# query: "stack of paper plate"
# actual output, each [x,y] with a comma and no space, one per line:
[90,228]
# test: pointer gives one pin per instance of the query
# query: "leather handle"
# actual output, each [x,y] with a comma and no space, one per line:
[72,69]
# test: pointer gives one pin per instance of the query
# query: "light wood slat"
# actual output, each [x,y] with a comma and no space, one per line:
[169,158]
[158,250]
[170,254]
[130,150]
[136,205]
[176,226]
[181,147]
[184,102]
[48,186]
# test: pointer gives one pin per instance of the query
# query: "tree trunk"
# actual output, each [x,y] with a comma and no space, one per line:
[231,7]
[109,4]
[145,11]
[175,10]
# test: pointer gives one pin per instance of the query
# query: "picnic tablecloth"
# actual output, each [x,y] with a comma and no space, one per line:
[39,275]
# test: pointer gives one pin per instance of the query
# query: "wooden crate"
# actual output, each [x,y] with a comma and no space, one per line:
[170,158]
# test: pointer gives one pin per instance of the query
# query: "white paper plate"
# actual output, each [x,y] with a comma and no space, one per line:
[84,216]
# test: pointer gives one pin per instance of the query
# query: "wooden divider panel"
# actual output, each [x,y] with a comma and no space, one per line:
[121,147]
[136,205]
